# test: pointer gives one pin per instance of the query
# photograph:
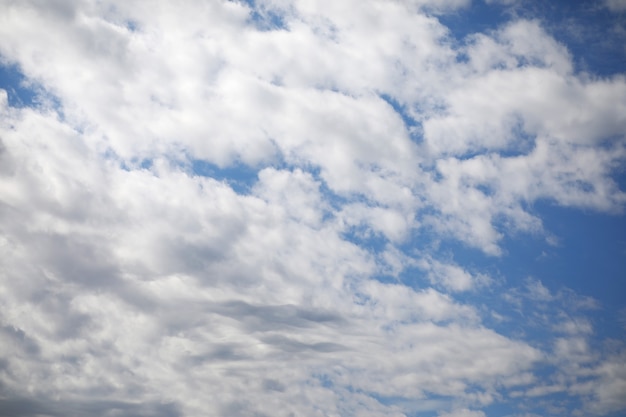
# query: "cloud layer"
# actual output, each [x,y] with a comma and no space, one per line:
[299,273]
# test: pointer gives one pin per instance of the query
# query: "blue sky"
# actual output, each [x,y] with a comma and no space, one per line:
[308,208]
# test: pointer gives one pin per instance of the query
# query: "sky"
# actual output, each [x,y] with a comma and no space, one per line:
[312,208]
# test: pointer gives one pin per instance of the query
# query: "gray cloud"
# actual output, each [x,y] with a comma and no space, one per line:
[27,407]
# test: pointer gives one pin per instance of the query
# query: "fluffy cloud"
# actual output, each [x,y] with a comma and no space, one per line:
[463,413]
[132,284]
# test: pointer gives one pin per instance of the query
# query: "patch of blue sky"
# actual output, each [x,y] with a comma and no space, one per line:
[240,177]
[131,25]
[480,17]
[592,33]
[522,406]
[523,144]
[334,199]
[324,380]
[401,109]
[25,92]
[590,255]
[509,403]
[132,164]
[413,127]
[589,259]
[365,237]
[264,18]
[419,413]
[430,406]
[374,243]
[20,91]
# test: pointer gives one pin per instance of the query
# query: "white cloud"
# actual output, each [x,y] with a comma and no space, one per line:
[295,192]
[464,412]
[451,276]
[162,254]
[537,291]
[608,392]
[129,279]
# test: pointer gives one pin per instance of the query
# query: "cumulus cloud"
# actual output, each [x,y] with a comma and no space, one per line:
[463,413]
[452,276]
[132,283]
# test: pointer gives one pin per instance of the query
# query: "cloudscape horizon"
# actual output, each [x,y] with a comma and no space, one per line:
[312,208]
